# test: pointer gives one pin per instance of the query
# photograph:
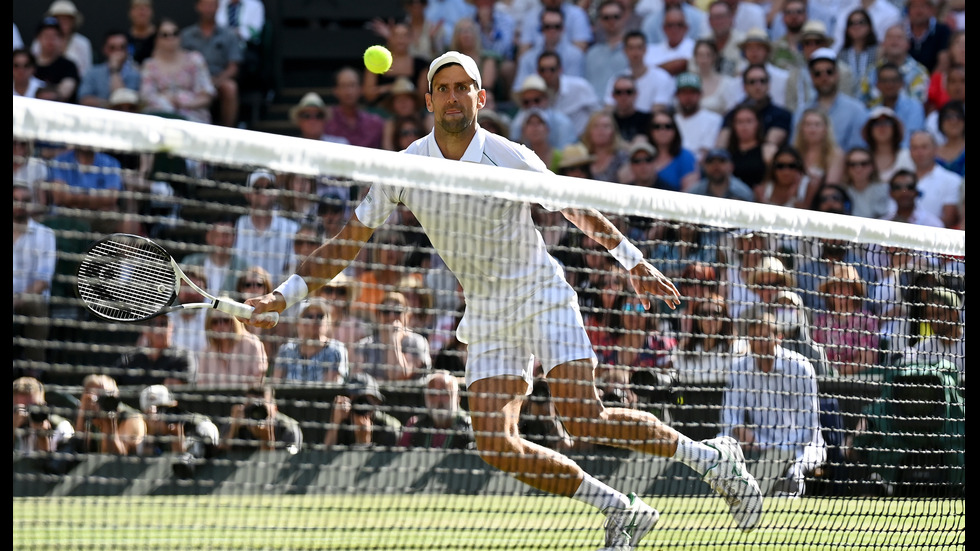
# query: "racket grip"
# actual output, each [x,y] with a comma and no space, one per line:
[244,311]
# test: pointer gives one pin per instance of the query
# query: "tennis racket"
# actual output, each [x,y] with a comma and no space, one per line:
[130,278]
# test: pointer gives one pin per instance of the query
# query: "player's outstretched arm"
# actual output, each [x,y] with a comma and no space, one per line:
[646,279]
[328,260]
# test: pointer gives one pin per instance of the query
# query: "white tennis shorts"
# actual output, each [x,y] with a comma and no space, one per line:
[547,328]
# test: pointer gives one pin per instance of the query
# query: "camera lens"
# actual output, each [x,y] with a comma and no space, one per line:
[257,412]
[38,415]
[108,403]
[362,405]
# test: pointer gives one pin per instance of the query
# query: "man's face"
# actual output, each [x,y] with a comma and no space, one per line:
[688,100]
[824,75]
[903,191]
[221,235]
[675,27]
[717,170]
[624,93]
[756,53]
[919,11]
[611,18]
[762,338]
[441,401]
[756,84]
[454,99]
[922,150]
[794,16]
[348,88]
[889,83]
[895,43]
[262,196]
[549,70]
[720,19]
[635,48]
[114,45]
[552,27]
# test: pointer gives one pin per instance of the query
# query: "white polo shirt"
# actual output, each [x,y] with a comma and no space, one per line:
[490,244]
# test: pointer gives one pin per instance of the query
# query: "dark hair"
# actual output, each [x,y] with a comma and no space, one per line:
[898,133]
[674,148]
[903,172]
[875,176]
[725,333]
[872,38]
[952,107]
[25,52]
[550,53]
[633,34]
[751,67]
[759,130]
[785,150]
[845,197]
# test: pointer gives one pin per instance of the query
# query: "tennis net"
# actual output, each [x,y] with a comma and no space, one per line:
[877,309]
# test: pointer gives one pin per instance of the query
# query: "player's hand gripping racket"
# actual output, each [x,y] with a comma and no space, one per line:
[129,278]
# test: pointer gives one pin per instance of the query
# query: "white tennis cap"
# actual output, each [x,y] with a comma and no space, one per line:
[261,175]
[155,395]
[463,60]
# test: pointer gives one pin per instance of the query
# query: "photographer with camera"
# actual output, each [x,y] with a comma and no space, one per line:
[35,428]
[357,419]
[104,423]
[170,428]
[258,423]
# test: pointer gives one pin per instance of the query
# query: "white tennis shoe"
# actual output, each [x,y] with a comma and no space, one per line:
[735,483]
[625,527]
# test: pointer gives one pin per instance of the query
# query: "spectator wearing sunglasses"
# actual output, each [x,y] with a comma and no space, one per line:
[309,116]
[312,355]
[847,114]
[905,195]
[392,352]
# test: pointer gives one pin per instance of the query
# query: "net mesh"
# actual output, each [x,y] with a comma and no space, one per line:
[871,434]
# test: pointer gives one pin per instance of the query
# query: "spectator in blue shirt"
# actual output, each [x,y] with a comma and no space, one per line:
[119,70]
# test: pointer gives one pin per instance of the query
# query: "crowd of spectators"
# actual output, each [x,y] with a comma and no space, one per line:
[859,113]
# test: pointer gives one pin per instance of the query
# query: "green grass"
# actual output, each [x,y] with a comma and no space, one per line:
[444,523]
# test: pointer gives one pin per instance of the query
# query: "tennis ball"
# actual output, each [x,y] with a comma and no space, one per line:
[377,59]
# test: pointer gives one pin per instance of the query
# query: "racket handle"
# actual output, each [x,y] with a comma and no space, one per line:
[244,311]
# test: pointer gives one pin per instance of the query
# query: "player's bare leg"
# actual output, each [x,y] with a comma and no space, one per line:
[495,407]
[718,460]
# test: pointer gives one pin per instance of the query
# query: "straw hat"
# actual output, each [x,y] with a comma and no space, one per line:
[757,36]
[403,87]
[311,99]
[575,154]
[65,7]
[815,28]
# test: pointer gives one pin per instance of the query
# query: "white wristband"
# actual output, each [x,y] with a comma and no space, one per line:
[293,290]
[627,254]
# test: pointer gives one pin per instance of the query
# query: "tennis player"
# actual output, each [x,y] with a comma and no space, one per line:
[519,308]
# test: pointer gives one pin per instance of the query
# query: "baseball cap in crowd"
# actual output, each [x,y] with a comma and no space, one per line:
[945,297]
[822,54]
[642,145]
[156,395]
[49,22]
[717,153]
[261,175]
[362,384]
[465,61]
[124,96]
[689,80]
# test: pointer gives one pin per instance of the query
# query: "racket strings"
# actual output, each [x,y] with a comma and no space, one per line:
[127,279]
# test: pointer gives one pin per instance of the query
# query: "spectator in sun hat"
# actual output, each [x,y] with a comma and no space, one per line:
[533,95]
[575,161]
[309,116]
[757,50]
[799,86]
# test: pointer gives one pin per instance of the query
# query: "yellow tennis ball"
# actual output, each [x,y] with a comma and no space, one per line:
[377,59]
